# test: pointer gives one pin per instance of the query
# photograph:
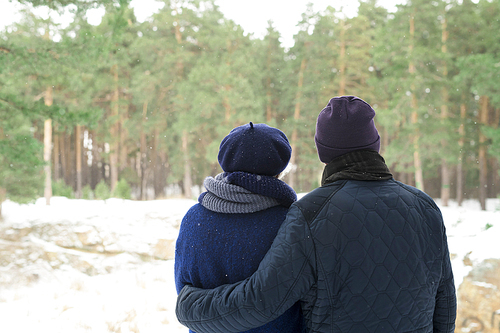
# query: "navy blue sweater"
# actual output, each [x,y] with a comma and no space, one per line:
[217,248]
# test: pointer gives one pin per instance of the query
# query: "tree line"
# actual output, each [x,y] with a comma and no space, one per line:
[148,103]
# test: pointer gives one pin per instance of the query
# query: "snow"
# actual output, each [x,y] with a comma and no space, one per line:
[138,295]
[472,233]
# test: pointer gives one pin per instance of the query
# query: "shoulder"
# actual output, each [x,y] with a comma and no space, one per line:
[419,195]
[313,202]
[195,209]
[194,214]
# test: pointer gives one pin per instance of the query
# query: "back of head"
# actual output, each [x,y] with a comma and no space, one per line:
[345,125]
[255,148]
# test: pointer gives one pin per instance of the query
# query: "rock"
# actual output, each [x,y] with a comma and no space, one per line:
[467,260]
[59,234]
[479,299]
[164,249]
[15,233]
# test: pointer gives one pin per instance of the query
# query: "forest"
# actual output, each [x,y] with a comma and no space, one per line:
[87,109]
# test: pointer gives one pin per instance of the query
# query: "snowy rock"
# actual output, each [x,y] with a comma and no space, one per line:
[479,299]
[164,249]
[15,233]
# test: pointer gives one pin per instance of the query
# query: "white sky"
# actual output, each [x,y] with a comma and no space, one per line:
[252,15]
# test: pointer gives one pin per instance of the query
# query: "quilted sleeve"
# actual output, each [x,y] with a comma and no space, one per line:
[445,311]
[284,276]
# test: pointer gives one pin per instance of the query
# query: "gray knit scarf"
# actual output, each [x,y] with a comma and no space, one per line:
[223,197]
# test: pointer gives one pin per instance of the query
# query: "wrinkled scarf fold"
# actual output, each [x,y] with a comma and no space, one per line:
[356,165]
[241,192]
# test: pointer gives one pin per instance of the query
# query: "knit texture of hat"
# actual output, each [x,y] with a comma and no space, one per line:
[255,148]
[345,125]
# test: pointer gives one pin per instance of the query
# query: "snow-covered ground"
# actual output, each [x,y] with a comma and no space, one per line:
[472,233]
[137,295]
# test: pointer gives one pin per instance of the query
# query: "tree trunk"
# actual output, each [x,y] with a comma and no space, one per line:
[292,178]
[64,162]
[113,154]
[86,152]
[123,138]
[419,178]
[342,60]
[47,148]
[56,155]
[417,162]
[483,162]
[495,164]
[460,176]
[445,171]
[155,165]
[188,183]
[72,161]
[78,154]
[143,155]
[95,175]
[269,110]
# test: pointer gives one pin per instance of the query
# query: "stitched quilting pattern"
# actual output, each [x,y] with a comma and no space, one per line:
[381,251]
[361,256]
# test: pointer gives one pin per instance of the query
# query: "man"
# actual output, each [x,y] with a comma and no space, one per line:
[363,253]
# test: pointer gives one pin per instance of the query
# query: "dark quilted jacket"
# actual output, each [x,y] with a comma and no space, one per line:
[362,256]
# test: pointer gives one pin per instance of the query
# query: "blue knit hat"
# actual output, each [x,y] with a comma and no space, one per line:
[255,148]
[345,125]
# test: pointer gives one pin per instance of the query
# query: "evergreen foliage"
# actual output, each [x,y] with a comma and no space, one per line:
[102,191]
[122,190]
[151,101]
[87,192]
[60,189]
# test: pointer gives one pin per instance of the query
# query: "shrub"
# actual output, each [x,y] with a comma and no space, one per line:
[61,189]
[102,191]
[122,190]
[87,192]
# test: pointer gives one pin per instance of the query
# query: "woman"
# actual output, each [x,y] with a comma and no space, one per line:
[223,238]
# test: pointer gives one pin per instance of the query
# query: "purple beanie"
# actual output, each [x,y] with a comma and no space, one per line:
[258,149]
[344,125]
